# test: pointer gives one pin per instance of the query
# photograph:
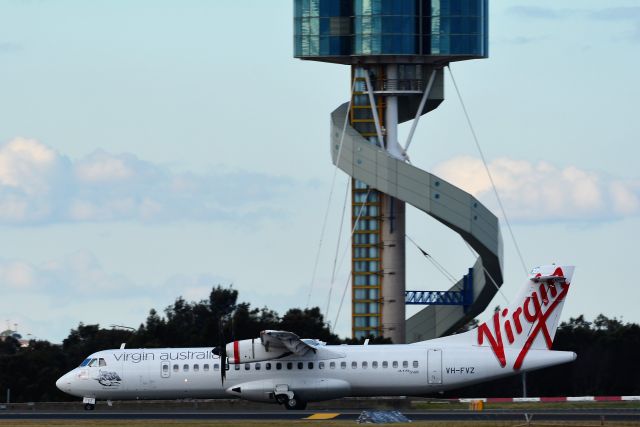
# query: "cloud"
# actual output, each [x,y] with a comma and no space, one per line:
[629,14]
[540,12]
[79,272]
[59,293]
[521,40]
[8,47]
[617,13]
[38,185]
[196,288]
[17,275]
[539,192]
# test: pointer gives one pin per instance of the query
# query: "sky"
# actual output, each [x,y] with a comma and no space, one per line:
[154,149]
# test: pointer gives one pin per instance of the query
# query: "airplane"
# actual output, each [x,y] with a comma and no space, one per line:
[279,367]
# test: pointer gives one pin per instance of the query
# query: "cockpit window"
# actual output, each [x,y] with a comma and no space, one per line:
[94,362]
[85,362]
[103,362]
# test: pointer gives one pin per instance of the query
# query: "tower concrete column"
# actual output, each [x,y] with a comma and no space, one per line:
[393,267]
[391,113]
[393,228]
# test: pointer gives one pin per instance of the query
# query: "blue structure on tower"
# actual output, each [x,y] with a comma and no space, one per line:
[397,50]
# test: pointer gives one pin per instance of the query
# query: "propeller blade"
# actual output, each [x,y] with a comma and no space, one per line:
[222,350]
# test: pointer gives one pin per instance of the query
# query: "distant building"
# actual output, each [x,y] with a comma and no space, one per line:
[15,335]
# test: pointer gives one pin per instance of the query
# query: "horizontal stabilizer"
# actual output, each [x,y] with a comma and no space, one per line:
[549,279]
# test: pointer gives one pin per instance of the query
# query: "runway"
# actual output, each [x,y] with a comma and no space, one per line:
[453,415]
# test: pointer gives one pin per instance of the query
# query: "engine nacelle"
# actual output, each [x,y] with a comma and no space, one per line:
[307,389]
[247,351]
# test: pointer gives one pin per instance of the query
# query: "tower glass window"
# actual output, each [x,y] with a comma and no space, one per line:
[344,28]
[383,27]
[322,27]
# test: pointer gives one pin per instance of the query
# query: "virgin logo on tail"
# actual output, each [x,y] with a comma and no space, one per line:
[535,310]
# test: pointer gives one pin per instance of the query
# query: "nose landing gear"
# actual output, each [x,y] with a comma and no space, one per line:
[89,403]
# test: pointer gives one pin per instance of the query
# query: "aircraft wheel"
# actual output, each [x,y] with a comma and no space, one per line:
[296,404]
[89,407]
[281,399]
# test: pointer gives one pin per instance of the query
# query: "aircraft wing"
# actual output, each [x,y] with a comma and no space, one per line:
[288,340]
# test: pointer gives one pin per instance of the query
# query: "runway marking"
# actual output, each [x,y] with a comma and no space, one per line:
[321,416]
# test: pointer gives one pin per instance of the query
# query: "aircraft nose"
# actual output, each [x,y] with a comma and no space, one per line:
[64,383]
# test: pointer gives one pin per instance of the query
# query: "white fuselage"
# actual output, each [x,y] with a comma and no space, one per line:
[282,367]
[413,369]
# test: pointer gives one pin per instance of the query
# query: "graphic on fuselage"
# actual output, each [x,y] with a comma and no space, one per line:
[109,378]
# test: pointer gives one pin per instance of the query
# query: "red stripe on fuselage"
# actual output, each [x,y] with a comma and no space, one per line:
[236,352]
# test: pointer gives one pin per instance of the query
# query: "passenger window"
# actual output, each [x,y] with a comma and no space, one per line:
[300,365]
[289,365]
[236,367]
[268,366]
[354,364]
[85,362]
[395,364]
[343,365]
[321,365]
[415,363]
[257,366]
[247,366]
[278,366]
[332,365]
[94,362]
[103,362]
[205,367]
[175,368]
[405,364]
[364,365]
[185,368]
[385,364]
[165,368]
[310,365]
[196,368]
[216,367]
[374,365]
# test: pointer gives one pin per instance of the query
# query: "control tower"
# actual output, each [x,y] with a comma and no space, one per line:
[397,51]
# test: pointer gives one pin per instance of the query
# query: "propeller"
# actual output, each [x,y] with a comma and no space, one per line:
[221,351]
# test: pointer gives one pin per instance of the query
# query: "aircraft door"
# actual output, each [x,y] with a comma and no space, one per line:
[165,370]
[434,366]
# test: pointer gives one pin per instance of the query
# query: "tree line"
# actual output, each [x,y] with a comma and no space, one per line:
[607,365]
[31,372]
[608,349]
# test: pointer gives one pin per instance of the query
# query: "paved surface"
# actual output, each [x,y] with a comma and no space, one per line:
[454,415]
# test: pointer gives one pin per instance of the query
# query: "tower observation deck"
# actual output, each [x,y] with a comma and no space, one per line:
[397,51]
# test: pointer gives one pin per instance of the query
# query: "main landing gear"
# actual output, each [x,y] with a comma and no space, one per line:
[89,407]
[291,402]
[295,404]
